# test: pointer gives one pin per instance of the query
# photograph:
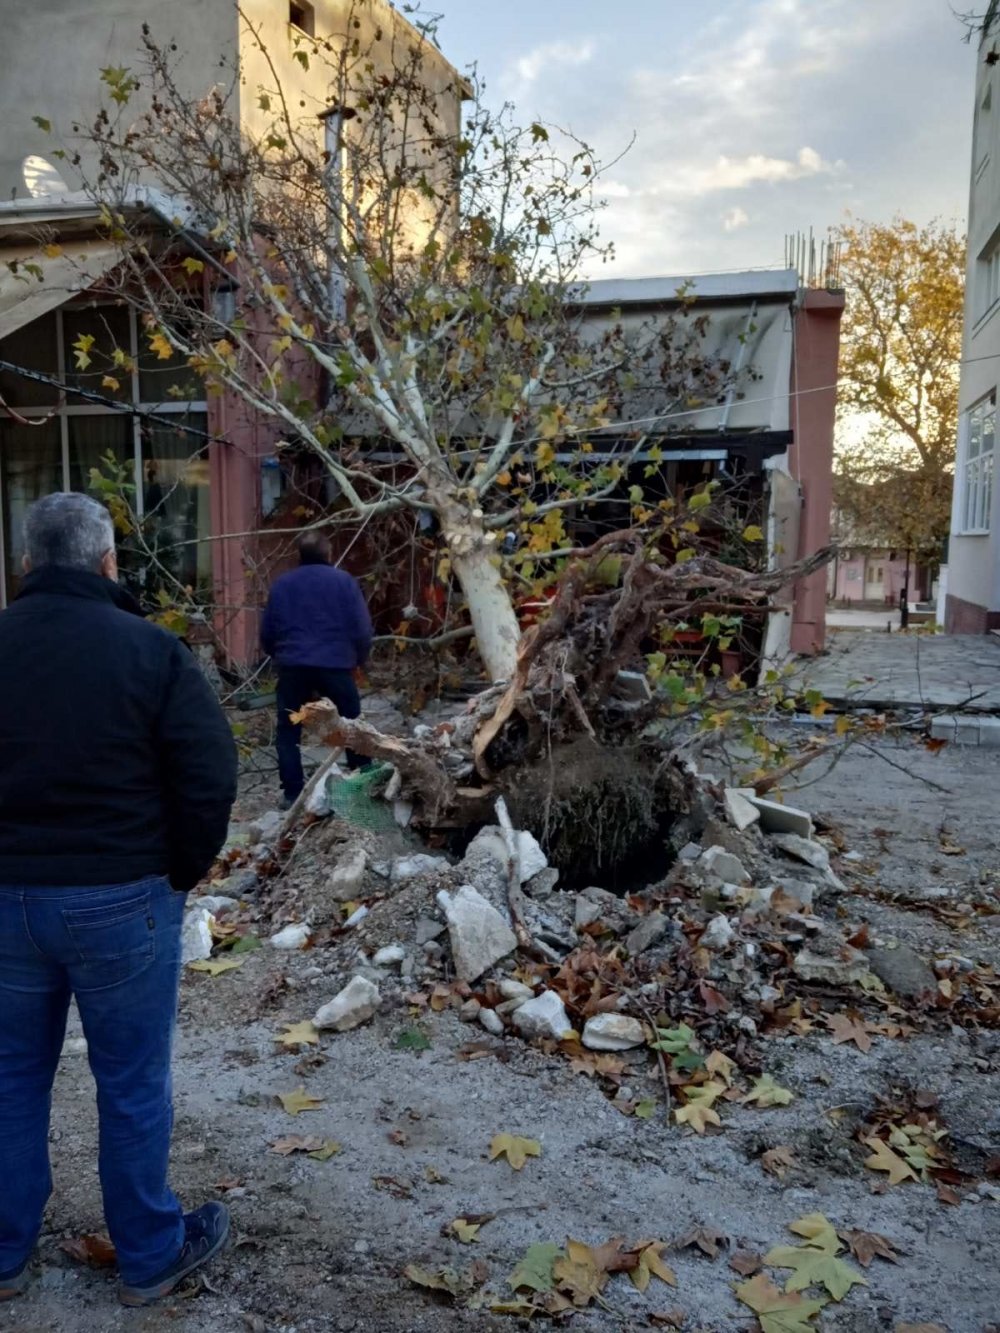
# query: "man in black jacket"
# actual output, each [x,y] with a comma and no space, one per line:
[117,776]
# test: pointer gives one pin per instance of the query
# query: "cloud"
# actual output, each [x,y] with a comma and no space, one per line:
[543,59]
[731,173]
[734,219]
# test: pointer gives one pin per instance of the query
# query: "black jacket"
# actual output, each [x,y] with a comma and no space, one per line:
[116,760]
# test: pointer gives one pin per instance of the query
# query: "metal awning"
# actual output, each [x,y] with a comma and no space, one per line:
[32,282]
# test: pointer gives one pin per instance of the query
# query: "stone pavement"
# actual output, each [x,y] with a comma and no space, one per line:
[910,671]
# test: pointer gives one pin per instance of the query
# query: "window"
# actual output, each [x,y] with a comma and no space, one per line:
[166,458]
[978,431]
[301,16]
[987,280]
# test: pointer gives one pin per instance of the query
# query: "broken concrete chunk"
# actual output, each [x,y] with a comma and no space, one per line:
[348,875]
[428,929]
[649,931]
[354,1005]
[531,859]
[903,971]
[544,1016]
[802,849]
[470,1010]
[776,817]
[740,812]
[613,1032]
[241,884]
[723,866]
[409,867]
[631,687]
[390,956]
[492,1022]
[543,884]
[599,905]
[295,936]
[213,902]
[515,990]
[718,934]
[196,936]
[265,828]
[846,968]
[479,935]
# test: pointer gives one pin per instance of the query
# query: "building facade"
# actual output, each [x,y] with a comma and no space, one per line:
[972,577]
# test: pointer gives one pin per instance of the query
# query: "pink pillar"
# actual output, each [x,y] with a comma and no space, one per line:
[813,412]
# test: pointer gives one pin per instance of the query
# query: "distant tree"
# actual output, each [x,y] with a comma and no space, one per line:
[900,356]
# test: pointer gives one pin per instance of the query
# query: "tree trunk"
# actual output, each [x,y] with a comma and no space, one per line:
[475,564]
[490,609]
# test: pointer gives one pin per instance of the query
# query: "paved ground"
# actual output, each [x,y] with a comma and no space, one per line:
[850,618]
[910,670]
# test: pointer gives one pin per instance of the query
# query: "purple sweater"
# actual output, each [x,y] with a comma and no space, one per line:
[316,616]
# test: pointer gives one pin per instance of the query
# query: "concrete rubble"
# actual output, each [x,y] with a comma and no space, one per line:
[294,936]
[354,1005]
[613,1032]
[196,936]
[479,935]
[348,875]
[544,1016]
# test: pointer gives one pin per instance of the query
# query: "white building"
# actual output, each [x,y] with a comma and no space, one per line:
[972,592]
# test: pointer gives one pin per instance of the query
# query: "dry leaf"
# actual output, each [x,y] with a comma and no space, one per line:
[920,1328]
[884,1159]
[814,1267]
[95,1251]
[298,1101]
[697,1110]
[778,1160]
[668,1318]
[321,1150]
[707,1240]
[516,1149]
[651,1265]
[720,1066]
[466,1229]
[215,966]
[299,1034]
[778,1311]
[869,1245]
[765,1092]
[946,1194]
[745,1263]
[535,1269]
[580,1274]
[848,1027]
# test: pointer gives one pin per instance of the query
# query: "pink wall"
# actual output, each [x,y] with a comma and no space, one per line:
[813,410]
[848,588]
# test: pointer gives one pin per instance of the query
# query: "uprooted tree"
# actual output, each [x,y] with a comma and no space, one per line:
[409,306]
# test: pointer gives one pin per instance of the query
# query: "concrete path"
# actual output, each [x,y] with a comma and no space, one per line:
[909,670]
[849,618]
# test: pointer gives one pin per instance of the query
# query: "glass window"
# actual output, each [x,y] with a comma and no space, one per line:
[979,431]
[31,463]
[35,348]
[91,439]
[110,328]
[175,480]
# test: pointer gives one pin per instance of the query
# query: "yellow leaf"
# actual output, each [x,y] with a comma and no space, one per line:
[651,1265]
[81,350]
[299,1034]
[515,328]
[753,533]
[216,966]
[778,1311]
[517,1150]
[765,1092]
[842,725]
[192,265]
[720,1065]
[109,382]
[298,1101]
[53,251]
[464,1231]
[504,479]
[579,1274]
[818,1231]
[159,344]
[698,1112]
[884,1159]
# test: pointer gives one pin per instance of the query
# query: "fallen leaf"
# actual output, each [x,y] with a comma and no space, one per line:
[707,1240]
[778,1160]
[778,1311]
[321,1150]
[579,1273]
[246,944]
[462,1229]
[765,1092]
[412,1039]
[651,1265]
[299,1034]
[869,1245]
[646,1109]
[720,1066]
[93,1250]
[446,1280]
[668,1319]
[228,1183]
[814,1267]
[298,1101]
[698,1109]
[215,966]
[516,1149]
[946,1194]
[920,1328]
[535,1269]
[745,1263]
[394,1185]
[848,1027]
[884,1159]
[818,1231]
[398,1138]
[434,1177]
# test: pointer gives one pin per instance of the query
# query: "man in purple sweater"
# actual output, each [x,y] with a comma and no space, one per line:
[317,629]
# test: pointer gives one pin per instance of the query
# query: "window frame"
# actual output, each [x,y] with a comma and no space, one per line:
[977,467]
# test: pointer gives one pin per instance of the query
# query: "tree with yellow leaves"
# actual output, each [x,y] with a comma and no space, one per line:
[900,355]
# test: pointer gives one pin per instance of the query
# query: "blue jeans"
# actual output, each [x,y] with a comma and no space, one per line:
[117,950]
[296,686]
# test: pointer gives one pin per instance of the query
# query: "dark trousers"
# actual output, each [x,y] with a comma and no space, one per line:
[118,950]
[297,686]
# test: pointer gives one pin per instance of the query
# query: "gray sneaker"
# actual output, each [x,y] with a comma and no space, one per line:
[206,1232]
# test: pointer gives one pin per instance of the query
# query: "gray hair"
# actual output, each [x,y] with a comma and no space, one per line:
[67,528]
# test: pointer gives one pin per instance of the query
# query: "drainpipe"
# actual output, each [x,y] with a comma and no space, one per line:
[334,119]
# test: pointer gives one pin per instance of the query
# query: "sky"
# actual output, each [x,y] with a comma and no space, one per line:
[753,118]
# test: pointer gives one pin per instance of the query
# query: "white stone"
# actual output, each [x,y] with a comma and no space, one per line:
[409,867]
[532,860]
[354,1005]
[402,813]
[356,918]
[196,936]
[492,1022]
[266,827]
[479,935]
[213,902]
[390,956]
[776,817]
[613,1032]
[723,866]
[295,936]
[826,970]
[740,812]
[348,875]
[803,849]
[718,934]
[515,990]
[544,1016]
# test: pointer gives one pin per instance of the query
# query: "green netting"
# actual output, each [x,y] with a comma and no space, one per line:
[356,799]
